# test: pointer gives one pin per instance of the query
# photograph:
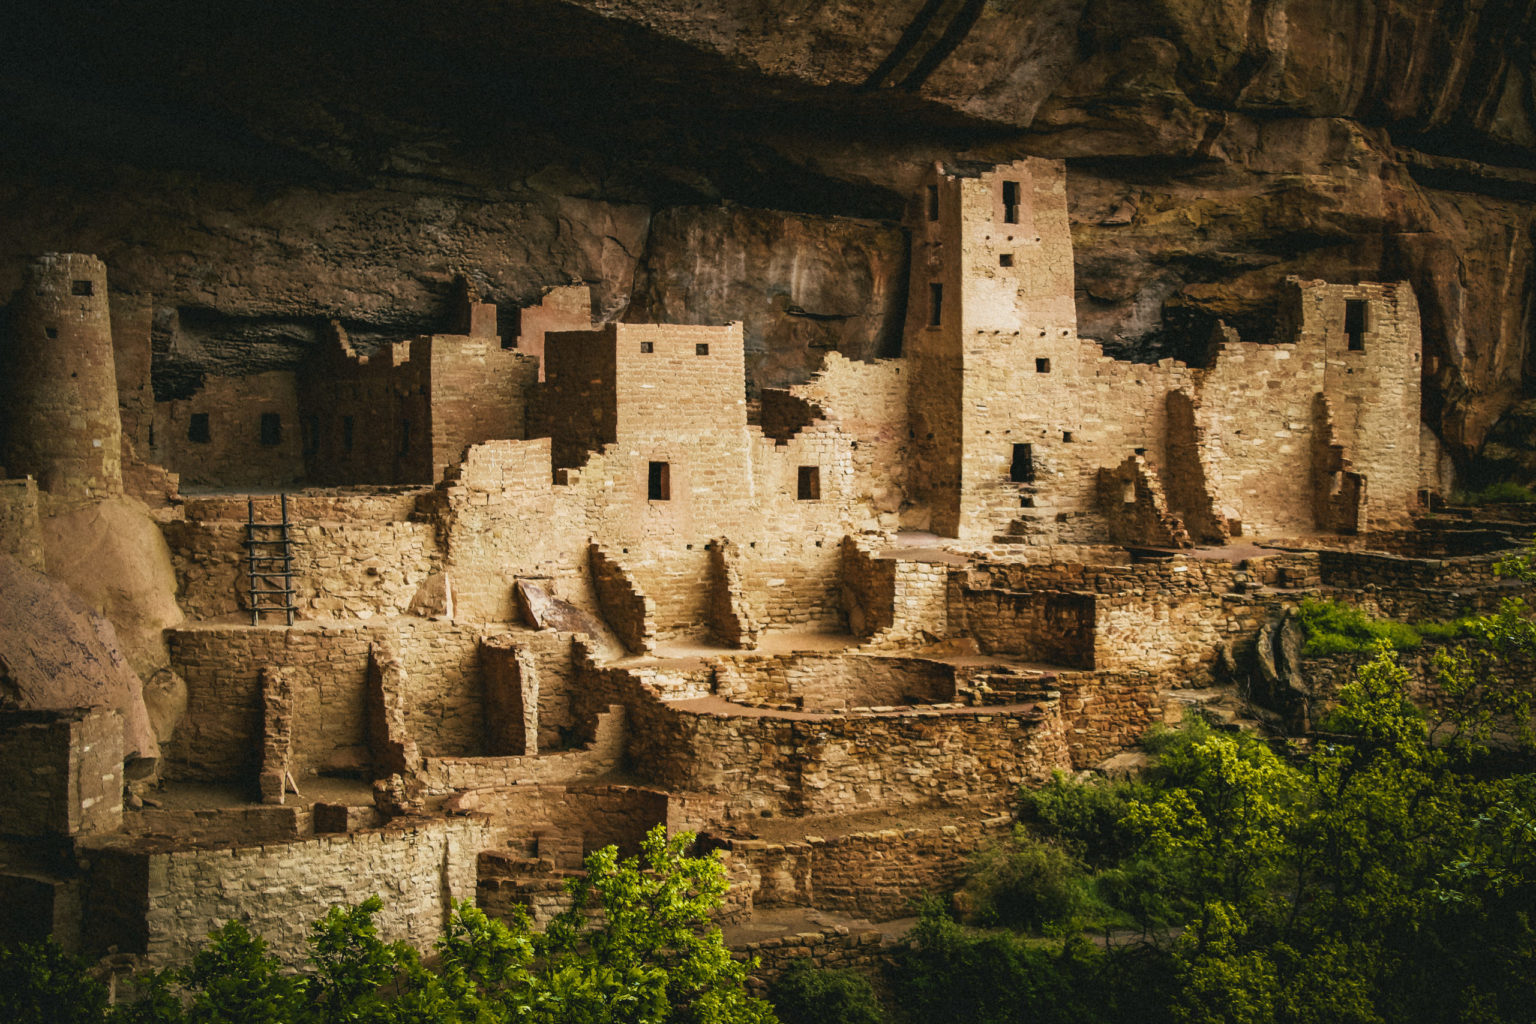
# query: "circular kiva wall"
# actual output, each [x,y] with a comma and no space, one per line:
[834,682]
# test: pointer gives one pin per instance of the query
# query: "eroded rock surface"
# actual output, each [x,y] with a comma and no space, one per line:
[56,653]
[254,174]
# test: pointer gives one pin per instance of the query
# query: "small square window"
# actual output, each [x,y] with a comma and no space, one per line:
[701,349]
[1042,366]
[197,429]
[82,287]
[1005,259]
[809,484]
[647,347]
[52,332]
[1066,436]
[271,429]
[658,485]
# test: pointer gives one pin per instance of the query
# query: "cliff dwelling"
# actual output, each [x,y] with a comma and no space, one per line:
[430,588]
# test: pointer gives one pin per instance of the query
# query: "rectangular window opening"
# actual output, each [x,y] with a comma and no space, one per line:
[82,287]
[1042,366]
[933,202]
[1005,259]
[647,347]
[52,332]
[658,485]
[809,484]
[701,349]
[935,304]
[1022,470]
[197,429]
[271,428]
[1010,202]
[1356,323]
[1066,436]
[405,436]
[346,434]
[312,435]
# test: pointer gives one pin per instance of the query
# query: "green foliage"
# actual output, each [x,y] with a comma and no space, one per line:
[42,984]
[1389,875]
[637,947]
[1334,628]
[805,994]
[1503,492]
[1084,818]
[1029,883]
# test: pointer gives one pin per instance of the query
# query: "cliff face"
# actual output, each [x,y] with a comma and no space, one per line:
[256,170]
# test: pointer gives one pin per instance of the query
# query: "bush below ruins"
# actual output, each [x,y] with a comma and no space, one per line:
[1387,874]
[636,946]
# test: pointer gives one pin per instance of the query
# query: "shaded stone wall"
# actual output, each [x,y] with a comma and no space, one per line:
[216,438]
[871,874]
[21,535]
[58,391]
[63,772]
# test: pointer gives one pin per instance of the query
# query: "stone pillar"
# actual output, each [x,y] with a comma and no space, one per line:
[60,401]
[276,733]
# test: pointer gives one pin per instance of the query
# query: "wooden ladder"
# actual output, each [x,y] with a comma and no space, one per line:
[269,562]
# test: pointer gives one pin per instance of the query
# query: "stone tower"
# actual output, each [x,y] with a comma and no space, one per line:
[60,413]
[992,334]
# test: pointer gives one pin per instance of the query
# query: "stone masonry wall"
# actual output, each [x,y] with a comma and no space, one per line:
[341,570]
[63,772]
[819,764]
[834,682]
[280,889]
[21,536]
[870,874]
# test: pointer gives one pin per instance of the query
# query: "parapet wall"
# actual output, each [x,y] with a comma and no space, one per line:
[825,764]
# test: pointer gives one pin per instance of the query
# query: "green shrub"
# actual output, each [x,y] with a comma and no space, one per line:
[42,984]
[805,994]
[1028,883]
[1083,817]
[1334,628]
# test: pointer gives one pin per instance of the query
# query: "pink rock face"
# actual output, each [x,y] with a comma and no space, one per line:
[57,653]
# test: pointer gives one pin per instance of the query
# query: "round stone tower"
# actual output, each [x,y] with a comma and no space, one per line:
[60,388]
